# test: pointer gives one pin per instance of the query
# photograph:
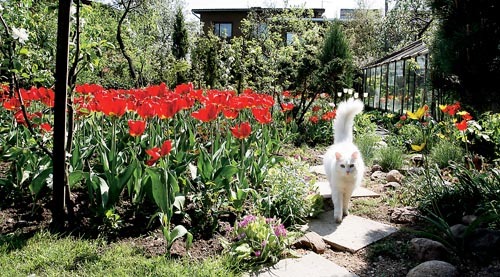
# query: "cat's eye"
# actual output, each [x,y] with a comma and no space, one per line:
[351,166]
[342,165]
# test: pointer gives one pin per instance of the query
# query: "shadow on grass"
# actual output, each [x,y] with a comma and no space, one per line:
[14,241]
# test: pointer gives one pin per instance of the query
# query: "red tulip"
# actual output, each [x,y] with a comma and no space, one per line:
[241,131]
[155,155]
[112,106]
[11,104]
[206,114]
[230,113]
[166,147]
[461,125]
[262,115]
[287,106]
[136,127]
[46,127]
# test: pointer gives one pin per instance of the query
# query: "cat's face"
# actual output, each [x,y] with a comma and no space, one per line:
[347,164]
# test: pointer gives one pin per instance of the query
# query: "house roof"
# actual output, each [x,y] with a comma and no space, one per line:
[416,48]
[318,11]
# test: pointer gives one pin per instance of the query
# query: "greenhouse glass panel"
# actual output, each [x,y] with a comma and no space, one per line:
[391,86]
[383,87]
[410,85]
[399,87]
[420,83]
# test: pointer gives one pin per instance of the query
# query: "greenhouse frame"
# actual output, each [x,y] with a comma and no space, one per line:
[399,82]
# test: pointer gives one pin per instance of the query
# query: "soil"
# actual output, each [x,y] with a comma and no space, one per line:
[388,257]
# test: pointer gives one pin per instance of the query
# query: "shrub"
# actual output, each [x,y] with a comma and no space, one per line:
[411,134]
[289,193]
[444,152]
[367,143]
[491,127]
[391,157]
[461,193]
[256,240]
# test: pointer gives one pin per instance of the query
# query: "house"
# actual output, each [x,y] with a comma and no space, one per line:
[226,23]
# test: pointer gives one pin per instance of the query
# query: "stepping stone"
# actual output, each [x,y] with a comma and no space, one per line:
[318,169]
[311,265]
[326,192]
[352,234]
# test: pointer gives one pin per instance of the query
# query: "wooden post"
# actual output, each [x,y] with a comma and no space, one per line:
[59,214]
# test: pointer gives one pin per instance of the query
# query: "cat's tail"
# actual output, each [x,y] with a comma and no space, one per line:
[344,120]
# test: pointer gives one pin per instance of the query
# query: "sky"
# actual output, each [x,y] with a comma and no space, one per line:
[332,7]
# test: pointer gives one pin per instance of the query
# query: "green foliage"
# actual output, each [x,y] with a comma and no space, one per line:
[388,248]
[368,143]
[465,51]
[288,194]
[336,61]
[491,127]
[256,241]
[445,152]
[49,255]
[406,22]
[463,192]
[390,157]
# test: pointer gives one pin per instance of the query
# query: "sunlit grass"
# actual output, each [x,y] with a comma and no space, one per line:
[47,255]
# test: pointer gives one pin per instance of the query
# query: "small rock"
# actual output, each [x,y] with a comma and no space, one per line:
[394,176]
[484,241]
[376,167]
[378,176]
[392,185]
[426,249]
[433,269]
[404,215]
[458,231]
[418,160]
[468,219]
[311,241]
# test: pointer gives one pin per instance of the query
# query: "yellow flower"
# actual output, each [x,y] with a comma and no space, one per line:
[418,148]
[419,113]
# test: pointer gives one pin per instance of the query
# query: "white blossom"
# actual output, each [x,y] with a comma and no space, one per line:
[20,34]
[1,8]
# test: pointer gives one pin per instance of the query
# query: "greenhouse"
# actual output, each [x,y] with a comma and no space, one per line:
[398,82]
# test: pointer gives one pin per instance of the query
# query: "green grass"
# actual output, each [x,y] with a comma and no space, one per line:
[47,255]
[365,206]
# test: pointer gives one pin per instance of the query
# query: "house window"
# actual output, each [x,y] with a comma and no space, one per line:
[289,38]
[260,30]
[223,30]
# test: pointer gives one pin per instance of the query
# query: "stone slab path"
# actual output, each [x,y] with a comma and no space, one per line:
[352,234]
[310,265]
[326,191]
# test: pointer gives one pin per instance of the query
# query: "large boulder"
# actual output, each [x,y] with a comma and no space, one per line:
[427,250]
[433,269]
[394,176]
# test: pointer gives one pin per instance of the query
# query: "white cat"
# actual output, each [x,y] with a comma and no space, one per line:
[343,163]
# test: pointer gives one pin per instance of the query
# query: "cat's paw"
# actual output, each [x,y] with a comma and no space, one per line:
[338,219]
[346,213]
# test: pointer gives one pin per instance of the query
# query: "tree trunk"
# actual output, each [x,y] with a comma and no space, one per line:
[131,69]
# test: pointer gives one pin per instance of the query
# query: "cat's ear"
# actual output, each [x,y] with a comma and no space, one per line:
[338,155]
[355,155]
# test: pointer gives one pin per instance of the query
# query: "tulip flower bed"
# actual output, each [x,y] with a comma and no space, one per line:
[208,149]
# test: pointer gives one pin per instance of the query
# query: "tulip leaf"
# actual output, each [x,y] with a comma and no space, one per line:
[40,181]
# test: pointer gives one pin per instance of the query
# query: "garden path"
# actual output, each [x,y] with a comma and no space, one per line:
[353,234]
